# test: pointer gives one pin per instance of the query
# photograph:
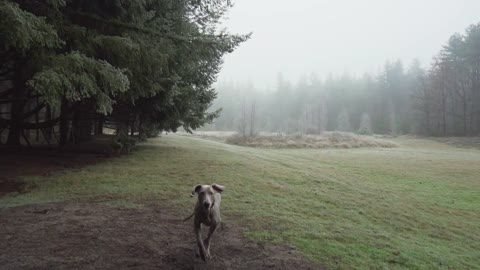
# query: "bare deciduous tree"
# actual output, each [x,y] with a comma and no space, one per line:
[252,119]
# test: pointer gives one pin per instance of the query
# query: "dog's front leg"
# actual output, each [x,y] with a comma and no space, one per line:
[211,231]
[201,247]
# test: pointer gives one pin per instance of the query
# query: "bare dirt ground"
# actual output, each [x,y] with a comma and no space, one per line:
[96,236]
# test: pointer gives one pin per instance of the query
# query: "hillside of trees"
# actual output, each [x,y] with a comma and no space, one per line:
[69,68]
[443,100]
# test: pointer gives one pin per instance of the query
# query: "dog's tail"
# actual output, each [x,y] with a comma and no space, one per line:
[189,217]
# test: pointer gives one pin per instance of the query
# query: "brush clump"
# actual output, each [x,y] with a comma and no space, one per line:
[326,140]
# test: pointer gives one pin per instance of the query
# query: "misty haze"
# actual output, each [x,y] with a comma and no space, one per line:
[383,67]
[220,134]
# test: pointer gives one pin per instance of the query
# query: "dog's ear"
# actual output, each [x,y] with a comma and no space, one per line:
[195,190]
[218,188]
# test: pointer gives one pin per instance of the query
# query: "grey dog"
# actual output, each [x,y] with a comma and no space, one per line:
[207,212]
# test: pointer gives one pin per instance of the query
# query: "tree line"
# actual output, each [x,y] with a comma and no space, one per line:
[443,100]
[69,68]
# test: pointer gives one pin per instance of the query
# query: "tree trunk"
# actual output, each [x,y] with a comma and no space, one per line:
[99,125]
[37,119]
[122,128]
[476,115]
[243,120]
[444,113]
[444,122]
[141,128]
[132,128]
[82,124]
[427,123]
[252,120]
[64,123]
[48,131]
[465,130]
[17,108]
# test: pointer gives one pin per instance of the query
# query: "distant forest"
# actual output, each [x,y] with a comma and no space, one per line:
[443,100]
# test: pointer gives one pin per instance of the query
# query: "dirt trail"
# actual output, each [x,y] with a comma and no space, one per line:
[96,236]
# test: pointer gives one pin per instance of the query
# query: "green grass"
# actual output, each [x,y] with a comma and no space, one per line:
[412,207]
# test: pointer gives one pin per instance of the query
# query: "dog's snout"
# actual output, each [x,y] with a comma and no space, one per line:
[206,205]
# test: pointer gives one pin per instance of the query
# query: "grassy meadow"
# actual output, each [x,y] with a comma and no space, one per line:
[415,206]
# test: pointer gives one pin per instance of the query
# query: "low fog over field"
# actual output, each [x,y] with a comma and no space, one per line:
[386,67]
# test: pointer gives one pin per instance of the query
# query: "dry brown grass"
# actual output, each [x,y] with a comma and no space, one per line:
[219,136]
[326,140]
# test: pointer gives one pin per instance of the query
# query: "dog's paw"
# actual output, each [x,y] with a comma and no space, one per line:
[202,255]
[207,253]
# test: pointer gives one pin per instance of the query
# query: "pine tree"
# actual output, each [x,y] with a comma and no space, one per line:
[145,65]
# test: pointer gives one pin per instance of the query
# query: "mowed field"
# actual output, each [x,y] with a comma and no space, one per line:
[416,206]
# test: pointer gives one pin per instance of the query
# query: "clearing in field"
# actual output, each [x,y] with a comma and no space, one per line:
[278,140]
[414,206]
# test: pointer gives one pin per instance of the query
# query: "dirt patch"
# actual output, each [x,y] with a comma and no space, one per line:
[96,236]
[17,162]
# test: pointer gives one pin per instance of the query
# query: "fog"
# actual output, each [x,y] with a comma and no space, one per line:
[372,66]
[335,37]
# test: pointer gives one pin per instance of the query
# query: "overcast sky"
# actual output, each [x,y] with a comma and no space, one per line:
[337,36]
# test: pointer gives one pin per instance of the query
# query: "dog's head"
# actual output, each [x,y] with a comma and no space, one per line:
[206,195]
